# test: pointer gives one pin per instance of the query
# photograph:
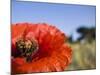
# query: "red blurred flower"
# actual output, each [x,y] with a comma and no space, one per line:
[38,48]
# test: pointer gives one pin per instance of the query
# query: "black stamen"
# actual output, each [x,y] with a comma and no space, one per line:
[26,48]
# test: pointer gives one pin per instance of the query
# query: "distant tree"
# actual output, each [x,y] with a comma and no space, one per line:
[70,39]
[86,33]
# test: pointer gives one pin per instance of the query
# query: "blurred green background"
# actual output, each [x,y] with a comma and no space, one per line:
[84,49]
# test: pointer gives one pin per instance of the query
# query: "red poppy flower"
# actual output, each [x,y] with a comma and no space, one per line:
[38,48]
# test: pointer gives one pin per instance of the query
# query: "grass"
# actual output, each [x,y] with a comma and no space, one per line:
[84,56]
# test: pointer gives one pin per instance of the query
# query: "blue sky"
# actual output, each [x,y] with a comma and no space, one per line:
[67,17]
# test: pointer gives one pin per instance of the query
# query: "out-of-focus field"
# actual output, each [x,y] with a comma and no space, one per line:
[84,56]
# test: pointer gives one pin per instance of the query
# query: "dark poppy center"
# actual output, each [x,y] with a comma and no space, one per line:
[26,48]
